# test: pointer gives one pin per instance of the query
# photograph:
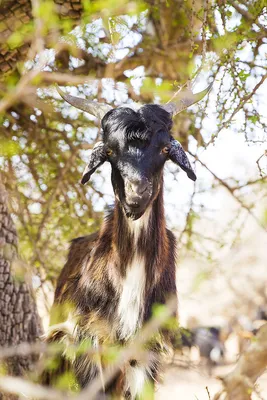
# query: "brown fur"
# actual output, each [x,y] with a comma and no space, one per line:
[95,267]
[102,269]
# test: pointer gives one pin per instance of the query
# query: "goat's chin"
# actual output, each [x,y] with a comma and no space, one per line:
[133,214]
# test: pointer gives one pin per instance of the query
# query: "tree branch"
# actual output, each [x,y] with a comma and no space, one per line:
[231,191]
[239,384]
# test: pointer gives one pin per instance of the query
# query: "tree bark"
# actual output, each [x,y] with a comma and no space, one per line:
[19,321]
[14,14]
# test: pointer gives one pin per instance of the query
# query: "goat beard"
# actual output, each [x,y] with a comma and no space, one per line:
[134,216]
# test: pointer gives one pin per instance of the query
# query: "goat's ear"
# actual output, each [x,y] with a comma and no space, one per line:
[98,157]
[178,156]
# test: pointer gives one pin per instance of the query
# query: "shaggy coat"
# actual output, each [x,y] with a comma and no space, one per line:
[113,278]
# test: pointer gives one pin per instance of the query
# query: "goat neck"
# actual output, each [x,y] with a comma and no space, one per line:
[145,237]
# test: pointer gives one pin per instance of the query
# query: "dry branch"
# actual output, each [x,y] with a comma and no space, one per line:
[31,390]
[239,384]
[135,347]
[19,385]
[231,190]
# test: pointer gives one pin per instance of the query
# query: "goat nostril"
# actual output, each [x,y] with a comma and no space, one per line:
[142,190]
[139,189]
[136,188]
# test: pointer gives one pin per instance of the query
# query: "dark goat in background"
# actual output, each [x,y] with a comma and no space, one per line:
[114,277]
[209,340]
[211,348]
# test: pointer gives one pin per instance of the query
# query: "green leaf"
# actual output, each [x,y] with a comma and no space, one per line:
[67,381]
[9,148]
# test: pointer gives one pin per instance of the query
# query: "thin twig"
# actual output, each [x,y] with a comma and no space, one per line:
[231,191]
[258,162]
[238,108]
[135,347]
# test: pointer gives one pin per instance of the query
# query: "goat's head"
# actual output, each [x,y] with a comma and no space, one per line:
[137,144]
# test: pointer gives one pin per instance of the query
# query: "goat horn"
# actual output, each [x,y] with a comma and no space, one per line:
[92,107]
[183,100]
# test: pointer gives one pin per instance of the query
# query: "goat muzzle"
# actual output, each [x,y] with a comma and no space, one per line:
[136,188]
[137,196]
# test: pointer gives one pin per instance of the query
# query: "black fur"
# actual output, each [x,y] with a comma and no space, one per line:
[97,265]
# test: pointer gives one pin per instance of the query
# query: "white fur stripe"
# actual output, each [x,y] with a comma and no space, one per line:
[131,302]
[131,299]
[135,380]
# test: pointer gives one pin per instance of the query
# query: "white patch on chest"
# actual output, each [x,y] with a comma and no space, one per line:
[133,285]
[135,379]
[131,299]
[136,376]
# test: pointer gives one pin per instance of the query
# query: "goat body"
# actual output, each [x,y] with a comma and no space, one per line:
[112,279]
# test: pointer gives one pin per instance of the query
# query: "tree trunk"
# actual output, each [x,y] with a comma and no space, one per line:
[16,13]
[19,321]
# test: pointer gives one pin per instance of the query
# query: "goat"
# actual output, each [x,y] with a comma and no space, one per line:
[114,277]
[211,348]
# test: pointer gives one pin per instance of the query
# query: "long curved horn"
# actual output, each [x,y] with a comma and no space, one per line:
[183,100]
[92,107]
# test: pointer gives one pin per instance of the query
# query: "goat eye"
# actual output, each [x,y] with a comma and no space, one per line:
[166,149]
[109,152]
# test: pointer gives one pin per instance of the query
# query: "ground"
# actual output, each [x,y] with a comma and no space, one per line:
[192,383]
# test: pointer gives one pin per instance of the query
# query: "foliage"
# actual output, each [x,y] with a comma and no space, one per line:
[123,52]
